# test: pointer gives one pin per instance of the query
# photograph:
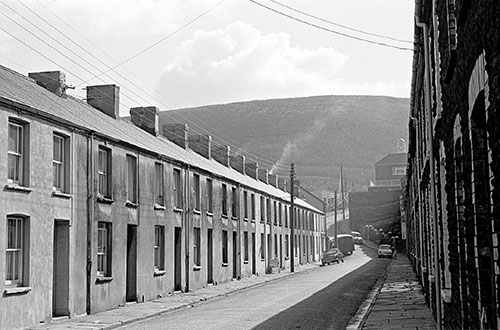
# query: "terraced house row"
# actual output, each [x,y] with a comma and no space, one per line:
[97,210]
[453,195]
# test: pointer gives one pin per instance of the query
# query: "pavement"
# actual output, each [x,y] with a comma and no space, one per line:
[396,301]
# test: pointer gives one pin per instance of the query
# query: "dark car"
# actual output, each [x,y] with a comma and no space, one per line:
[332,255]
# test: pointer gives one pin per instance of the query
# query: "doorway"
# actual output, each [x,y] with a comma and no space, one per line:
[254,257]
[60,292]
[131,290]
[210,274]
[177,259]
[235,255]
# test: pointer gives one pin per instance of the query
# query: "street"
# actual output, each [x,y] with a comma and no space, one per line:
[324,298]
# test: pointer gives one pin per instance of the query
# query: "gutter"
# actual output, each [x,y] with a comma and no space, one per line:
[430,140]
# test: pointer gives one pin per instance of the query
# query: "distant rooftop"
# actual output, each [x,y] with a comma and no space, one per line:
[393,159]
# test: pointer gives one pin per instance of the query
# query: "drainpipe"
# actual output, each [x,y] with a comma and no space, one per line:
[90,216]
[428,115]
[187,215]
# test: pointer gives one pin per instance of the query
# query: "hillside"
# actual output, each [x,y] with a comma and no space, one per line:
[318,134]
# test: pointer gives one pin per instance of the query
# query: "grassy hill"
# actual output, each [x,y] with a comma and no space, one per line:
[318,134]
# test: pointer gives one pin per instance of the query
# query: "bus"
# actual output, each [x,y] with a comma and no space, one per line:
[345,243]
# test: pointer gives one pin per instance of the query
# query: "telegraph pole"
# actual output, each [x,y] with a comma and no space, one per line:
[335,217]
[292,213]
[343,193]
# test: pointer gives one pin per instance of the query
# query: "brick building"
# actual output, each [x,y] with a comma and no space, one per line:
[99,211]
[453,195]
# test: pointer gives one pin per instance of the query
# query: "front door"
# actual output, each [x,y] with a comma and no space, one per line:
[254,256]
[235,255]
[210,274]
[131,290]
[177,259]
[60,291]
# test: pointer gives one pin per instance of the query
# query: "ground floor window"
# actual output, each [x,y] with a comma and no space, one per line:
[159,248]
[196,247]
[104,248]
[16,265]
[224,246]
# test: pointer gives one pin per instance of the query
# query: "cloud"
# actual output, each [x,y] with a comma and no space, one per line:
[240,63]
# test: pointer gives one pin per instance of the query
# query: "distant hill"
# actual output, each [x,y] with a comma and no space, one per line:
[318,134]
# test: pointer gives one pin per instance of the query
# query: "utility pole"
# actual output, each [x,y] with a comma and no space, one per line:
[292,213]
[335,217]
[343,193]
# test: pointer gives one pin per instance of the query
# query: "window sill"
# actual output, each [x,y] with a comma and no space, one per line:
[16,290]
[234,218]
[196,268]
[178,210]
[253,221]
[131,204]
[262,260]
[210,214]
[196,211]
[159,207]
[15,187]
[103,279]
[104,200]
[287,258]
[224,216]
[225,264]
[245,219]
[158,273]
[60,194]
[245,262]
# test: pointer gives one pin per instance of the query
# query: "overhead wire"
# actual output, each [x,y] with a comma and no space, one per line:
[330,30]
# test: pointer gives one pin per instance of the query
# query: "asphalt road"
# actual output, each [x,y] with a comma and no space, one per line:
[324,298]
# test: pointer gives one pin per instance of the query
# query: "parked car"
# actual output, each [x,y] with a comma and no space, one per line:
[332,255]
[385,251]
[357,237]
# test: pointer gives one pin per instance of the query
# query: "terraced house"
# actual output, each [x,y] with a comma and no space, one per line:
[453,195]
[98,210]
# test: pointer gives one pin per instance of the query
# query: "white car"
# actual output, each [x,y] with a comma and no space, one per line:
[384,251]
[357,237]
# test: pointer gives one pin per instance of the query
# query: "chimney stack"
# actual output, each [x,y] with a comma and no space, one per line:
[252,169]
[177,133]
[105,98]
[282,184]
[53,81]
[201,144]
[273,180]
[263,175]
[238,163]
[146,118]
[221,154]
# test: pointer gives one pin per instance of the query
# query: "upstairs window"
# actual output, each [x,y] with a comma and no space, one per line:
[131,179]
[60,162]
[159,184]
[177,189]
[234,202]
[399,170]
[17,153]
[262,209]
[104,172]
[210,205]
[252,206]
[224,200]
[245,204]
[196,192]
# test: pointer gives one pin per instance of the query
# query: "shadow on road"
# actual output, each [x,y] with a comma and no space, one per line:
[334,306]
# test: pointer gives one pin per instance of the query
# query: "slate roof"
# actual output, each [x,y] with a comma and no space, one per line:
[22,91]
[393,159]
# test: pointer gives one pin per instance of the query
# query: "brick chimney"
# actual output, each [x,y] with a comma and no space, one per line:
[146,118]
[238,163]
[273,180]
[201,144]
[252,169]
[263,175]
[221,154]
[282,184]
[105,98]
[177,133]
[53,81]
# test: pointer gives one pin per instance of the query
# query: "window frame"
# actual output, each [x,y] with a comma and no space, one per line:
[224,200]
[177,188]
[63,164]
[234,202]
[104,269]
[196,192]
[20,176]
[245,246]
[224,247]
[197,246]
[210,204]
[252,206]
[132,179]
[245,204]
[22,248]
[104,171]
[159,184]
[159,248]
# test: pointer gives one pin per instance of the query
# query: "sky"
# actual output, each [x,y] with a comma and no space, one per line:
[187,53]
